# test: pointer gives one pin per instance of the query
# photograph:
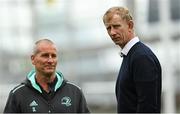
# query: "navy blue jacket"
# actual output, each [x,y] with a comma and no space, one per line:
[138,86]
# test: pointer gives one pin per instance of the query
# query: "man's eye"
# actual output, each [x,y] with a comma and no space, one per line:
[45,55]
[108,28]
[53,55]
[116,26]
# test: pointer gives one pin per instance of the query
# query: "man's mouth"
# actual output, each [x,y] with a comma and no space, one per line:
[116,40]
[50,67]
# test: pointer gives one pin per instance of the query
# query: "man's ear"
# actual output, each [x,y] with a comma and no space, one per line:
[32,59]
[131,24]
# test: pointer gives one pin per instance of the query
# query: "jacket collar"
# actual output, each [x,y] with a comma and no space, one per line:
[31,77]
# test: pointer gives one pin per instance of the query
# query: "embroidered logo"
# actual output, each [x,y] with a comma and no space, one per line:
[33,105]
[66,101]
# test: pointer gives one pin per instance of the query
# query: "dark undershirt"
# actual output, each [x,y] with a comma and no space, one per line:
[49,95]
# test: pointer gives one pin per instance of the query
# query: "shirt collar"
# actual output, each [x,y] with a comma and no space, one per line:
[129,45]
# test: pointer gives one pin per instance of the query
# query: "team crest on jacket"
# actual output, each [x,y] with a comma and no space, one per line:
[66,101]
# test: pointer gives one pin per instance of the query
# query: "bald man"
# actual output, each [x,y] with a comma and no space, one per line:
[45,90]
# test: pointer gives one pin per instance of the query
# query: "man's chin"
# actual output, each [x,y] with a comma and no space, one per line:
[117,43]
[49,73]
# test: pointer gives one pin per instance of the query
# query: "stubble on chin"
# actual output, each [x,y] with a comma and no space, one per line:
[49,74]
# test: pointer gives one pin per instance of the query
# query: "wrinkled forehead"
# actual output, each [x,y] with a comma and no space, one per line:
[45,47]
[112,20]
[111,17]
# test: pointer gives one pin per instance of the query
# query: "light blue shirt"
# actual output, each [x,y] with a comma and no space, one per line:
[129,45]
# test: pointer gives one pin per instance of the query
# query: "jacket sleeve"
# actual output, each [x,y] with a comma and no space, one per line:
[11,104]
[147,78]
[83,108]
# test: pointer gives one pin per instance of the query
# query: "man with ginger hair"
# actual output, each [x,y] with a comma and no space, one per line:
[138,86]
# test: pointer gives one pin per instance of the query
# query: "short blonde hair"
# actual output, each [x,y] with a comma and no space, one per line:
[123,12]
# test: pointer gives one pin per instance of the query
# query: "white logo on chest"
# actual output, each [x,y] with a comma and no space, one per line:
[33,105]
[66,101]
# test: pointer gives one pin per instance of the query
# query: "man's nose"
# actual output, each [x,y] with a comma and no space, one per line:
[112,31]
[50,59]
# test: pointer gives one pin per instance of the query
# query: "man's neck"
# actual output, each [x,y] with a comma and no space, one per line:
[44,81]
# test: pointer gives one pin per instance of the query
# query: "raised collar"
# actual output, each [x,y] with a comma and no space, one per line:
[32,79]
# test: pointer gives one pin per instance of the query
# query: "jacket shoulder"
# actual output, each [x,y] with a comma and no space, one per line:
[17,88]
[72,85]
